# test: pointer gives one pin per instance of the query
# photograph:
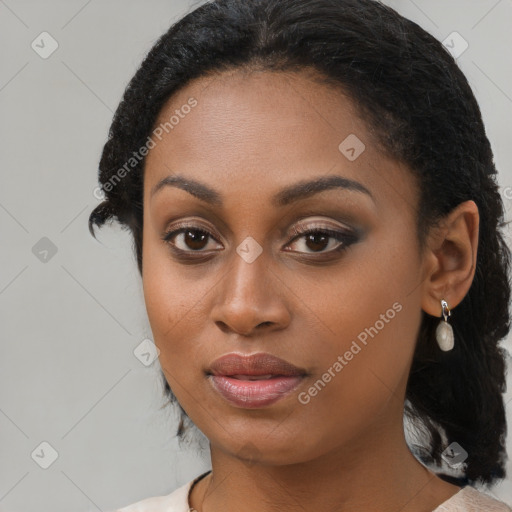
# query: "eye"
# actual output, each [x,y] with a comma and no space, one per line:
[191,238]
[318,238]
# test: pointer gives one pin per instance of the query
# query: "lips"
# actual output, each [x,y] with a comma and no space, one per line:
[255,365]
[253,381]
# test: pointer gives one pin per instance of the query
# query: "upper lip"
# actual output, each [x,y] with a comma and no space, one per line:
[254,364]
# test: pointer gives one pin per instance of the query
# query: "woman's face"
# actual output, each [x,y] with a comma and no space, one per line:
[342,306]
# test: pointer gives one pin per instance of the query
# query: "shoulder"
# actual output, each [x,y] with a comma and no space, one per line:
[174,502]
[469,499]
[177,501]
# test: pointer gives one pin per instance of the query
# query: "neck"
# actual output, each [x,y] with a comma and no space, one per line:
[377,472]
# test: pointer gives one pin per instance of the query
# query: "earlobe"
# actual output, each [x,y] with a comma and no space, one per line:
[451,257]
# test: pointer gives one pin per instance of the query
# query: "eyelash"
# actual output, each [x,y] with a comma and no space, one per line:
[345,238]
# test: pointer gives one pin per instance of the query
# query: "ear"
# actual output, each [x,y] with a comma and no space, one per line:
[450,258]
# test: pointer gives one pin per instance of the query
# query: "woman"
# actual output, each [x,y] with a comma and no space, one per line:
[317,224]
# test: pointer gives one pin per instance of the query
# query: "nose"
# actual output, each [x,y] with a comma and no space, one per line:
[251,298]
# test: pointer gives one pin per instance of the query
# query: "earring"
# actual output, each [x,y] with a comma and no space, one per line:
[444,331]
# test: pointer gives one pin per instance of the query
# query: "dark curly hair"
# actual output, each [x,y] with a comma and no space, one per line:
[419,105]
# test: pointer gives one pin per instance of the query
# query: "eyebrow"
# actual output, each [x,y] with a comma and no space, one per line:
[289,194]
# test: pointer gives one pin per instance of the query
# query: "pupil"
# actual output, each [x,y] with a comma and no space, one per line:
[191,240]
[314,237]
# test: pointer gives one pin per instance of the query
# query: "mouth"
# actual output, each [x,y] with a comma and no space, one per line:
[254,377]
[253,381]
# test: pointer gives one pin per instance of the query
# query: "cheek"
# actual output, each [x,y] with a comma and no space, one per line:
[371,297]
[167,298]
[372,309]
[174,325]
[176,303]
[374,326]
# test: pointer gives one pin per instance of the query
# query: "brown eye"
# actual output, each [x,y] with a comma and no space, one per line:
[317,240]
[188,239]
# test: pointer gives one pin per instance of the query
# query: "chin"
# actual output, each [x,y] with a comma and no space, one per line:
[267,449]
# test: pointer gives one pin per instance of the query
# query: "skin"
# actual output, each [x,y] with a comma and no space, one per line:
[249,136]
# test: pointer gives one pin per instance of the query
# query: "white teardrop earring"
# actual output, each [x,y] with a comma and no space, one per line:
[444,331]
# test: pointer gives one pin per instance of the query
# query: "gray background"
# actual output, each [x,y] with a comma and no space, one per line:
[71,319]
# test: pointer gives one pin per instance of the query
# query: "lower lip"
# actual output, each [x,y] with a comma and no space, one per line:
[254,393]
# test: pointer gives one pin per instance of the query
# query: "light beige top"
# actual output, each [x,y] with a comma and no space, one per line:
[467,499]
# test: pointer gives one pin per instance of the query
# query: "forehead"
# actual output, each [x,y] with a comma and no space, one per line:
[261,131]
[240,111]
